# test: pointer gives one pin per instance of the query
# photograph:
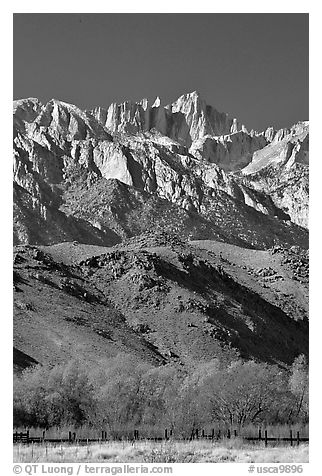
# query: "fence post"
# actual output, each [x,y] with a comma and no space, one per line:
[259,434]
[27,436]
[212,433]
[228,434]
[298,438]
[203,433]
[265,437]
[291,437]
[43,435]
[197,436]
[219,434]
[105,434]
[69,436]
[170,431]
[166,434]
[102,434]
[235,433]
[74,436]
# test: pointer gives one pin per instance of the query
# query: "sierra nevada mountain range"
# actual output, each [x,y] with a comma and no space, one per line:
[122,182]
[187,154]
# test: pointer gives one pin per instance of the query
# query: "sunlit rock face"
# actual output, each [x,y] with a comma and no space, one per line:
[186,154]
[185,120]
[231,152]
[209,135]
[281,169]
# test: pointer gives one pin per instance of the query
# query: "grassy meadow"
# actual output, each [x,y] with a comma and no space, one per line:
[172,451]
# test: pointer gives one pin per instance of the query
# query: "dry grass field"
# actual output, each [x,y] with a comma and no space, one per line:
[227,451]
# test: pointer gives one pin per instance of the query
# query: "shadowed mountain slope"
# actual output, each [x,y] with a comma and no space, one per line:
[161,299]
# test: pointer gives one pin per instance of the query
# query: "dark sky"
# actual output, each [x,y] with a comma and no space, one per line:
[253,66]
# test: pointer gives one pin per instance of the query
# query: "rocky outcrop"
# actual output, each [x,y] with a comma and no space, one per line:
[231,152]
[131,118]
[281,169]
[286,148]
[56,123]
[201,119]
[25,110]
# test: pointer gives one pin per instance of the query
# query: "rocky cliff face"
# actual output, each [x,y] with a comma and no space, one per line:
[199,165]
[211,135]
[281,170]
[187,119]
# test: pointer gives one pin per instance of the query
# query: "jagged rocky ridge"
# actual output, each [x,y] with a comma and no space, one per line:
[99,176]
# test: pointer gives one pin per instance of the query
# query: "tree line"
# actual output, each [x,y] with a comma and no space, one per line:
[123,393]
